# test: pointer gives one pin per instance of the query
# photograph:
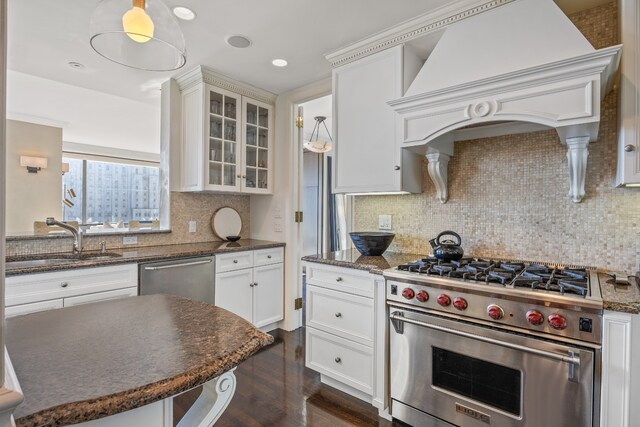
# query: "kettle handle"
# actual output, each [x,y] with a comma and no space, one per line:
[449,233]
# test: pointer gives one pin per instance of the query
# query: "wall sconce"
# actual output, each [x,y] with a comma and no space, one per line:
[65,168]
[33,164]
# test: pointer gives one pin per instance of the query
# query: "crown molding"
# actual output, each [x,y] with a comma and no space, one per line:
[417,27]
[202,74]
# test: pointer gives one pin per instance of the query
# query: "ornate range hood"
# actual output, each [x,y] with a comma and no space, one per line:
[515,68]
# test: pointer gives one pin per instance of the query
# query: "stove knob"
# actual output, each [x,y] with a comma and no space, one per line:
[557,321]
[535,317]
[444,300]
[422,296]
[408,293]
[460,303]
[495,312]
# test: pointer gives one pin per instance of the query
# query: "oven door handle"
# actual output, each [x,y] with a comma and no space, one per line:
[570,358]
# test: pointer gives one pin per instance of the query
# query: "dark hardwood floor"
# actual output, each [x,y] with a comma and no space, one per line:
[275,389]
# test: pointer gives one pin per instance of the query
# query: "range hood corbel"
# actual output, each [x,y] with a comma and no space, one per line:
[476,77]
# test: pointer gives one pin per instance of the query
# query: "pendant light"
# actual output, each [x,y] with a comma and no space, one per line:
[141,34]
[319,146]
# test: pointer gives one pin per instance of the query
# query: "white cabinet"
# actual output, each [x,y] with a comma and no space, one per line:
[620,370]
[629,93]
[346,329]
[38,292]
[226,142]
[251,285]
[368,157]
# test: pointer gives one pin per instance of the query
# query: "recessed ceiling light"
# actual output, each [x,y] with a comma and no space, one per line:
[279,62]
[76,65]
[184,13]
[238,41]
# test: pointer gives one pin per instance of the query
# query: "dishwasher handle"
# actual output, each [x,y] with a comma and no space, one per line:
[182,264]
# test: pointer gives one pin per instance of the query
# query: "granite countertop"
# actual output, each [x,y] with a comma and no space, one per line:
[622,298]
[135,255]
[90,361]
[351,258]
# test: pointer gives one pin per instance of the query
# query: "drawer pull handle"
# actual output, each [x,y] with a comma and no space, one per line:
[269,256]
[235,261]
[338,360]
[339,279]
[64,284]
[338,314]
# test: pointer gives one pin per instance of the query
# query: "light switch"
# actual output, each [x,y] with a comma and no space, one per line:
[277,213]
[384,222]
[277,226]
[192,226]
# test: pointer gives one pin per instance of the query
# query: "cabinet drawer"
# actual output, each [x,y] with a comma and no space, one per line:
[34,307]
[234,261]
[268,256]
[348,316]
[100,296]
[341,279]
[343,360]
[61,284]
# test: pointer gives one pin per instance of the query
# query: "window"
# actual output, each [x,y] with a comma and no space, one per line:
[97,191]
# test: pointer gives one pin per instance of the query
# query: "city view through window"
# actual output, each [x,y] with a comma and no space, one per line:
[114,192]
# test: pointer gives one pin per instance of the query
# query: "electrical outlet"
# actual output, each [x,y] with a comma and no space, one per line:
[277,225]
[130,240]
[384,222]
[192,226]
[277,213]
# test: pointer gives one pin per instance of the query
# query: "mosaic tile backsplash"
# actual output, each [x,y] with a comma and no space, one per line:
[508,195]
[184,208]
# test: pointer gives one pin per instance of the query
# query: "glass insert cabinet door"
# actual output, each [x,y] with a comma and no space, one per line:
[258,119]
[222,120]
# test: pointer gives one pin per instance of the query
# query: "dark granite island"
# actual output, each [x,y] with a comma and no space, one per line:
[117,363]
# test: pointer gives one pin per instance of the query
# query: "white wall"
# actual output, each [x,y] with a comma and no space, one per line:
[32,196]
[86,116]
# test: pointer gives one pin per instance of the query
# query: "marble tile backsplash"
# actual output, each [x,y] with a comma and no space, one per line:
[184,208]
[508,195]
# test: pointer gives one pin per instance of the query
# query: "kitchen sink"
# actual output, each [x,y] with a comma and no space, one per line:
[26,261]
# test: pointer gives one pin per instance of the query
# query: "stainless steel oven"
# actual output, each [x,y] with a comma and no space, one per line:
[447,371]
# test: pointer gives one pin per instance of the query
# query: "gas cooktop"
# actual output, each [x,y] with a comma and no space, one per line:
[509,274]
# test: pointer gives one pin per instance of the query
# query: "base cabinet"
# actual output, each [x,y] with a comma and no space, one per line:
[251,285]
[32,293]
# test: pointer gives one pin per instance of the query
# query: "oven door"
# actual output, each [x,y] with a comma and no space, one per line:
[474,376]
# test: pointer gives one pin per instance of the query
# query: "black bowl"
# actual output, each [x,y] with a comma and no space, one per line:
[372,243]
[233,238]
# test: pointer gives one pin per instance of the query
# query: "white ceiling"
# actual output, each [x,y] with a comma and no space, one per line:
[45,35]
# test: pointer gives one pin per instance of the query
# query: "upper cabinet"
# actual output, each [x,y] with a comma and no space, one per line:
[225,142]
[368,157]
[629,103]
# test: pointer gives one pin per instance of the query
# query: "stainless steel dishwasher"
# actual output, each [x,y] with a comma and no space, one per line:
[187,277]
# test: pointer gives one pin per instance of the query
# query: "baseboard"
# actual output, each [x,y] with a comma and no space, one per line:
[345,388]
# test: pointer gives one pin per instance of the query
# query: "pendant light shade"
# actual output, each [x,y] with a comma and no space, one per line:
[142,34]
[319,145]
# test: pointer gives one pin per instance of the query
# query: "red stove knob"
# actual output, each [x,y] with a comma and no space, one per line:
[535,317]
[460,303]
[422,296]
[495,312]
[408,293]
[557,321]
[444,300]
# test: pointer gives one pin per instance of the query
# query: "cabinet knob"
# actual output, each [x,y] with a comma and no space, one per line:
[244,176]
[235,261]
[255,284]
[629,148]
[269,256]
[338,314]
[64,284]
[338,360]
[396,168]
[251,284]
[339,279]
[238,176]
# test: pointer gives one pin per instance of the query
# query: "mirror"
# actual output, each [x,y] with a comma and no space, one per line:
[83,137]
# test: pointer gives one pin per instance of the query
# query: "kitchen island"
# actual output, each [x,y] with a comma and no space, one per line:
[121,362]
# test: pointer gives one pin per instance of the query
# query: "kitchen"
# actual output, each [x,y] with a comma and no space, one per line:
[502,187]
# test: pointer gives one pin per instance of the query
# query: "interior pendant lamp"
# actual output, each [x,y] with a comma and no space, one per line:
[319,145]
[142,34]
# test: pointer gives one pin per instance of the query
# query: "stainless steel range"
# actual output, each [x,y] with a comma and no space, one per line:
[501,343]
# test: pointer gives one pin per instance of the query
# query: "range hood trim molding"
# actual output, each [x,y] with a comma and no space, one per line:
[525,96]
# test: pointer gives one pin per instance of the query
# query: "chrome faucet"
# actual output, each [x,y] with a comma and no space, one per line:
[77,234]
